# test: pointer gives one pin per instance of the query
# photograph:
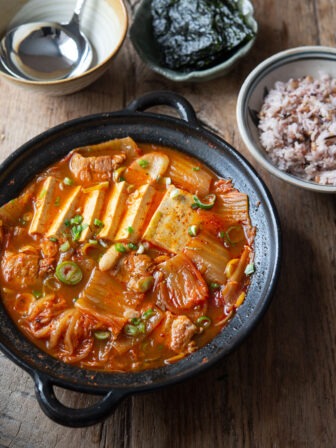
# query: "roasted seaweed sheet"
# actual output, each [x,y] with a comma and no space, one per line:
[197,34]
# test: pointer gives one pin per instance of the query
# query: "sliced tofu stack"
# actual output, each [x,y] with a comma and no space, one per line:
[209,255]
[65,212]
[169,225]
[92,209]
[140,203]
[105,299]
[44,206]
[114,211]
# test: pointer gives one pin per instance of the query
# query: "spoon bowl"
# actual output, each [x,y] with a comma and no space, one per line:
[43,51]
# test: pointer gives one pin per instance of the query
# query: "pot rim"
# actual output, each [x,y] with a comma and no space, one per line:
[33,360]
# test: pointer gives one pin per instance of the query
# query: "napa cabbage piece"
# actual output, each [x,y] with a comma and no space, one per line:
[185,174]
[125,145]
[12,210]
[232,288]
[105,298]
[233,207]
[180,285]
[209,256]
[147,168]
[169,225]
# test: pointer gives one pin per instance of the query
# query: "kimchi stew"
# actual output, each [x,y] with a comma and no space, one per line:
[125,256]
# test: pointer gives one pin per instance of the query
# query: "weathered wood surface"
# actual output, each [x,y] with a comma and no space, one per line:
[279,388]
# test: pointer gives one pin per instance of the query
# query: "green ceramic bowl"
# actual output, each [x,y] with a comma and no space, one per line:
[142,38]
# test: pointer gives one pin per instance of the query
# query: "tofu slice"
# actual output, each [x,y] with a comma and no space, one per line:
[169,225]
[45,201]
[66,212]
[139,204]
[92,209]
[115,209]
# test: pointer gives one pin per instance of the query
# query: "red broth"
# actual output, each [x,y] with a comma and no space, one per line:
[125,257]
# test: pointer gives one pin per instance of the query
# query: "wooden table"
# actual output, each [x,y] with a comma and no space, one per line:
[278,389]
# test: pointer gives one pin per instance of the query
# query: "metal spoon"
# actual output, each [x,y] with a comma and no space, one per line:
[45,51]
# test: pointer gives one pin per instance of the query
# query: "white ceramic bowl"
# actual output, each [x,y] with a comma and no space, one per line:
[292,63]
[142,38]
[104,22]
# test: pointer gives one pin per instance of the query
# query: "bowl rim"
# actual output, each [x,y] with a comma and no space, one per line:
[203,74]
[58,82]
[254,78]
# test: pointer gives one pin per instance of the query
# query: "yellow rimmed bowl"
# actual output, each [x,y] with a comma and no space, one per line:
[104,22]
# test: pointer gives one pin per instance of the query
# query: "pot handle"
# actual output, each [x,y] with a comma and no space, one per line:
[165,98]
[73,417]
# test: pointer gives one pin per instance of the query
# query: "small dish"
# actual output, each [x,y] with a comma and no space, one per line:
[293,63]
[104,22]
[142,38]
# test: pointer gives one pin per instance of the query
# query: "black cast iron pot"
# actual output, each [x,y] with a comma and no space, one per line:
[190,137]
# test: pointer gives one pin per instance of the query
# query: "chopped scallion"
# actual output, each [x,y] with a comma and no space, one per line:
[195,168]
[204,321]
[249,269]
[143,163]
[193,230]
[119,247]
[53,239]
[65,246]
[207,203]
[37,294]
[102,335]
[68,181]
[98,223]
[132,246]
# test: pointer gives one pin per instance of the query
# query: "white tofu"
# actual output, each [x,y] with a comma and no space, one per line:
[40,221]
[169,225]
[66,212]
[139,204]
[92,209]
[114,210]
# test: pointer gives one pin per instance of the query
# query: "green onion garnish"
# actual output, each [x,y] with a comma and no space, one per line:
[78,219]
[214,286]
[69,272]
[98,223]
[143,163]
[68,181]
[195,168]
[119,247]
[132,246]
[193,230]
[37,294]
[204,321]
[53,239]
[102,335]
[207,203]
[130,229]
[147,314]
[249,269]
[64,247]
[57,201]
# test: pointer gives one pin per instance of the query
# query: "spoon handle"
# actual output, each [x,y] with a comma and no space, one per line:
[77,11]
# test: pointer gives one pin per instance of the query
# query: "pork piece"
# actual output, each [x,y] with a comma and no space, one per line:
[176,332]
[136,270]
[49,248]
[97,169]
[20,269]
[182,331]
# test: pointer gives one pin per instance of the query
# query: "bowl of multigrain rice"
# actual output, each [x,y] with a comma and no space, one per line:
[286,114]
